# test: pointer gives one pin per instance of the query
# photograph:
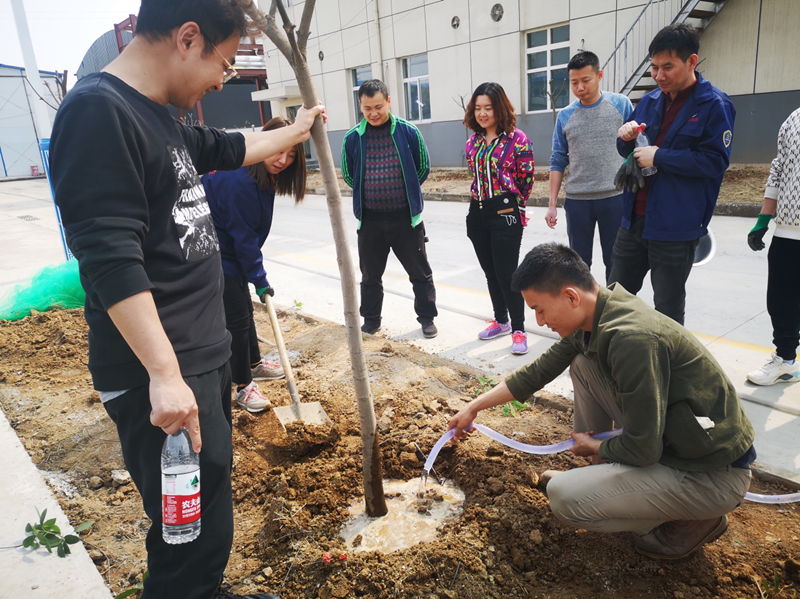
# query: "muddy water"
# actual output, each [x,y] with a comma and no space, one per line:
[415,512]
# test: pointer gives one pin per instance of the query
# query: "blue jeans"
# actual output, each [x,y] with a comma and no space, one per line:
[582,215]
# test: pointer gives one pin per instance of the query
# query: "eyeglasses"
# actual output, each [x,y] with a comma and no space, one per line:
[229,73]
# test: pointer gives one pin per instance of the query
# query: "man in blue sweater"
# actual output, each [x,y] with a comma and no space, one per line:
[690,124]
[583,139]
[385,161]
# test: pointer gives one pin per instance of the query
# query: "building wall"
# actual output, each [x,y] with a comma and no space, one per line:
[19,144]
[747,50]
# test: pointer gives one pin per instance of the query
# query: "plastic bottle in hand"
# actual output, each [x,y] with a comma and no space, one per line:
[180,489]
[642,141]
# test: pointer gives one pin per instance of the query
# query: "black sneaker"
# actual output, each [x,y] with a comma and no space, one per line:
[429,329]
[370,327]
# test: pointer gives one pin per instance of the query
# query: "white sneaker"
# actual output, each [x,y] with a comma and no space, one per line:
[775,371]
[250,399]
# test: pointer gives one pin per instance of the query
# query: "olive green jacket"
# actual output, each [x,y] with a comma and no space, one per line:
[662,378]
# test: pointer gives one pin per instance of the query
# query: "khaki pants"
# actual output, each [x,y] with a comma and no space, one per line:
[617,497]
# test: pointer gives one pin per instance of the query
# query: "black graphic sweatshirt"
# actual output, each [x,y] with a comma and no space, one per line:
[125,177]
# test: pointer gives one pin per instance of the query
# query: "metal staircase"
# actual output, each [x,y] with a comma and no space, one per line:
[627,70]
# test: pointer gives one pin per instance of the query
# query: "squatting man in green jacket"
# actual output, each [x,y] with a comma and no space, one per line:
[682,460]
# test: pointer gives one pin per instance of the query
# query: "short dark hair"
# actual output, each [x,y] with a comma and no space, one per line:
[291,180]
[582,59]
[679,39]
[504,112]
[371,87]
[549,267]
[217,19]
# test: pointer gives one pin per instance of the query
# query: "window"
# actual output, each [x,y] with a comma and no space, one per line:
[359,75]
[416,88]
[546,56]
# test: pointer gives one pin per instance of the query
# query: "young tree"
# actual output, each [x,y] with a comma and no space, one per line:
[292,44]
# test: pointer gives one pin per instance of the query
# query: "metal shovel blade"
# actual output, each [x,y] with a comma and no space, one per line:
[311,413]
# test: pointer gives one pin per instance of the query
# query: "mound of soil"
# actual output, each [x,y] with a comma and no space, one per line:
[292,487]
[742,184]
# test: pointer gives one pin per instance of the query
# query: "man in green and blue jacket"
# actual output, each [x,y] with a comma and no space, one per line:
[385,161]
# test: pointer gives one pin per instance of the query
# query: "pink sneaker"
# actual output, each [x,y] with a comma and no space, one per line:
[519,343]
[495,329]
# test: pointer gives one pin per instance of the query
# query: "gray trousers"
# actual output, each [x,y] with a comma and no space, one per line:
[617,497]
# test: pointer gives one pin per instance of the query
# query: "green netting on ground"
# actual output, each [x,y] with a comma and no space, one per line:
[53,287]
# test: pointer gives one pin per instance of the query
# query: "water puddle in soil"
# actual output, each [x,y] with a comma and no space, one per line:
[415,512]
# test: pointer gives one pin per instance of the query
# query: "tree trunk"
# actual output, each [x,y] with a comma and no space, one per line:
[372,469]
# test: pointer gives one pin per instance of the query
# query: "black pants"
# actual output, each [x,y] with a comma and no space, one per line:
[669,263]
[239,321]
[783,295]
[192,570]
[375,239]
[497,242]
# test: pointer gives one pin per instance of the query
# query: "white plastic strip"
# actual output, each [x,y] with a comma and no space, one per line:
[565,445]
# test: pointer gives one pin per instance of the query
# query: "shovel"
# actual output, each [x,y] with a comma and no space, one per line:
[312,413]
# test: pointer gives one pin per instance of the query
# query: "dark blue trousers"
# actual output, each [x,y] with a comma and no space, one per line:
[583,215]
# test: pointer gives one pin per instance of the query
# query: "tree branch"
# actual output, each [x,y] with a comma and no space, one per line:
[267,25]
[305,22]
[288,29]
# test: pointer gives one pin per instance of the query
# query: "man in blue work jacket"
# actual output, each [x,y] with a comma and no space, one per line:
[690,125]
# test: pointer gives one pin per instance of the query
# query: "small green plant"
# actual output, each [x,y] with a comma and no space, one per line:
[511,408]
[298,305]
[135,589]
[774,589]
[47,534]
[485,385]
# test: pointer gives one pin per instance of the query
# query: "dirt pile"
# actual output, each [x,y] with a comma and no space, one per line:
[292,488]
[742,184]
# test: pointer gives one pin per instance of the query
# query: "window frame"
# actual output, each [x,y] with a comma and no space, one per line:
[354,85]
[417,79]
[548,68]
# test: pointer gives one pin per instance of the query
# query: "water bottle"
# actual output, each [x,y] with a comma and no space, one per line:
[641,141]
[180,489]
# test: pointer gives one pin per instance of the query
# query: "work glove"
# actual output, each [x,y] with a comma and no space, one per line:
[638,177]
[621,178]
[755,238]
[629,175]
[264,292]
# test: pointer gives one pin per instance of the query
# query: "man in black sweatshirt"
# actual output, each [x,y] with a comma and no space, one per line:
[125,176]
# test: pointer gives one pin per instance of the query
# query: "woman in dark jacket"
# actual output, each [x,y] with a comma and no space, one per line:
[242,204]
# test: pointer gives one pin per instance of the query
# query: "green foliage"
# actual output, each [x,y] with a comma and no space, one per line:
[297,304]
[47,534]
[511,408]
[485,385]
[135,589]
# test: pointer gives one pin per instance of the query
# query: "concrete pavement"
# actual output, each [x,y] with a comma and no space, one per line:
[725,309]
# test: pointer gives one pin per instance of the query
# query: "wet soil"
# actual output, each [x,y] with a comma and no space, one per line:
[292,487]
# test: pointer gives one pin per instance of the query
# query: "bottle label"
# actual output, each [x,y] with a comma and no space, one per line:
[180,497]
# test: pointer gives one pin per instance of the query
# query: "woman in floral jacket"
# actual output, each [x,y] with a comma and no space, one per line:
[500,157]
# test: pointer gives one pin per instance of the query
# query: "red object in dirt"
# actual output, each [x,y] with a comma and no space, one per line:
[327,557]
[342,557]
